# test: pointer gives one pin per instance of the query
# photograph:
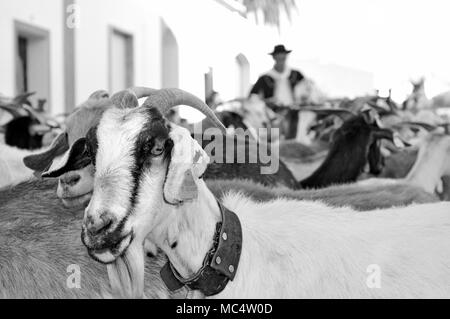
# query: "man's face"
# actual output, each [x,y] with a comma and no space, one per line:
[280,59]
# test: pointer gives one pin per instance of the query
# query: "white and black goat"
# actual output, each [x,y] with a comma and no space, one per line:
[149,186]
[76,173]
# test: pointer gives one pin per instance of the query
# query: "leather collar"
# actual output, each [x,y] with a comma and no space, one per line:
[220,263]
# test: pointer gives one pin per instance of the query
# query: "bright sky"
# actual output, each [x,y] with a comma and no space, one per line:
[396,40]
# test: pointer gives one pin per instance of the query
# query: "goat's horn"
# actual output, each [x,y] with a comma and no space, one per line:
[165,99]
[129,98]
[141,91]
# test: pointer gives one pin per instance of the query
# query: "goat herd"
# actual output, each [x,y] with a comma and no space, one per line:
[360,212]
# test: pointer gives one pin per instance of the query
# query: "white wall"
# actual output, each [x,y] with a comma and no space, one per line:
[46,14]
[135,17]
[209,35]
[336,80]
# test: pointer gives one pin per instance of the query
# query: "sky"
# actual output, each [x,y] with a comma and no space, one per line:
[396,40]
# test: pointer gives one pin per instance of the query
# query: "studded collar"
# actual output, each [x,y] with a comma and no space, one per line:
[220,263]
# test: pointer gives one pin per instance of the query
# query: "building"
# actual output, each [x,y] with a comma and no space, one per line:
[64,50]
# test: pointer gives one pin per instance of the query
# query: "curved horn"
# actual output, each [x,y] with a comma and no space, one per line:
[129,98]
[142,91]
[165,99]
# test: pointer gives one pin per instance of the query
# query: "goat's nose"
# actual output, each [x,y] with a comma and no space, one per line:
[70,179]
[97,225]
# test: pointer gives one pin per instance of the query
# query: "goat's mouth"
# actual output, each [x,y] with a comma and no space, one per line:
[108,253]
[76,201]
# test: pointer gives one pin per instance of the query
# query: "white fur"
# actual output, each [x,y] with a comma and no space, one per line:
[12,168]
[295,249]
[290,248]
[300,249]
[433,162]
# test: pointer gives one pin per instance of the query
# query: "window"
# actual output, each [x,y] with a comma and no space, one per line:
[121,63]
[32,61]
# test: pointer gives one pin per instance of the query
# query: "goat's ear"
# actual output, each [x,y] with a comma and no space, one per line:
[188,163]
[75,159]
[125,99]
[41,161]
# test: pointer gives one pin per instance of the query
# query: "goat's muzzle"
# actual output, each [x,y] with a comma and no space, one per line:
[104,238]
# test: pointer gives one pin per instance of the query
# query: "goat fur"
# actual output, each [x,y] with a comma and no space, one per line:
[40,239]
[12,168]
[307,250]
[361,198]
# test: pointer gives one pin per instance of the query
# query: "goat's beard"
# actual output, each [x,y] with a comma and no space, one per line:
[126,273]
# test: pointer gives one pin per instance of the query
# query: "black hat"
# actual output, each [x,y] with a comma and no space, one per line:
[280,49]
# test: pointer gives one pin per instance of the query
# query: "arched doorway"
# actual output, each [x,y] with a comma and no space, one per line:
[169,59]
[242,75]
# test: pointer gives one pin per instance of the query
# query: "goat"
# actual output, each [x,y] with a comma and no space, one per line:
[41,249]
[309,249]
[355,144]
[75,184]
[431,165]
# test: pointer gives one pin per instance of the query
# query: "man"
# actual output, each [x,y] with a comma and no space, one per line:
[277,86]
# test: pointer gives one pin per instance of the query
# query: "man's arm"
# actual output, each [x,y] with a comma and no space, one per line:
[258,87]
[297,77]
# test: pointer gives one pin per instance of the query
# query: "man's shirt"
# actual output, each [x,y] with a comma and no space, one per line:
[279,86]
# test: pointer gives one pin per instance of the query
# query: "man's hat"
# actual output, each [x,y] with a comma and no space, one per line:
[280,49]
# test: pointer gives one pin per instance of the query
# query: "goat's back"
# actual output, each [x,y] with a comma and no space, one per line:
[314,251]
[41,246]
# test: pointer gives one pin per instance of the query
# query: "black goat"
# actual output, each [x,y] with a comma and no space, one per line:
[19,134]
[354,144]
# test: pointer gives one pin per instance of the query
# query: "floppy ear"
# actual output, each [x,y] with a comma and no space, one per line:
[75,159]
[188,162]
[39,162]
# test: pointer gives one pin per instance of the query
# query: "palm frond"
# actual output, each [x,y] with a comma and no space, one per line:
[271,10]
